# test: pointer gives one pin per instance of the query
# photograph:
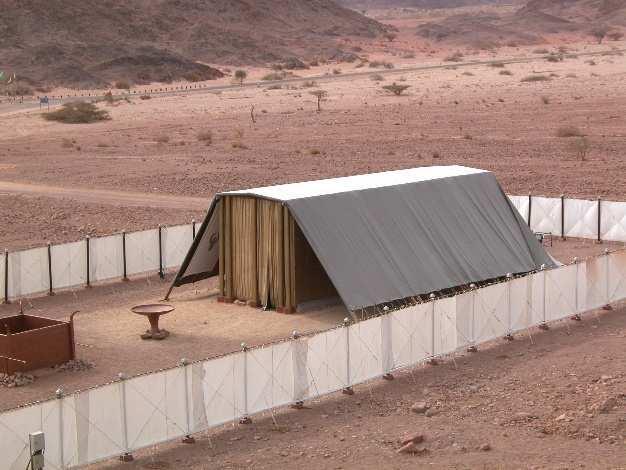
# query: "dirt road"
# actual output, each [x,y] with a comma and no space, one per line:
[107,197]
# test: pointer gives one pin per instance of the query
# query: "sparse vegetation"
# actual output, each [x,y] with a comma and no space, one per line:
[145,97]
[568,131]
[378,63]
[541,51]
[240,76]
[78,112]
[321,96]
[309,84]
[535,78]
[580,146]
[315,152]
[615,35]
[162,139]
[336,72]
[396,89]
[274,76]
[206,137]
[591,62]
[456,57]
[468,74]
[506,72]
[599,32]
[545,100]
[497,65]
[377,77]
[122,85]
[554,58]
[276,86]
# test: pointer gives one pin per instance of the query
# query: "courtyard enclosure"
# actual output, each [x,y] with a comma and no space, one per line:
[373,238]
[133,413]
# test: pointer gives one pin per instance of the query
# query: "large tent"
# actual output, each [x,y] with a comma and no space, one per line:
[370,239]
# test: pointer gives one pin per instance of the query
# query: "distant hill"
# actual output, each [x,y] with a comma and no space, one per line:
[531,23]
[364,4]
[93,42]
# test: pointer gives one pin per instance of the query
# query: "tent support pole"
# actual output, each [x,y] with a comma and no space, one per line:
[563,217]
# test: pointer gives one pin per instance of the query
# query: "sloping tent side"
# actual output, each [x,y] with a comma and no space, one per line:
[384,244]
[202,260]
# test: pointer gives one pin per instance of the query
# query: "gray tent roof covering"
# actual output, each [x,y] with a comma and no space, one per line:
[387,236]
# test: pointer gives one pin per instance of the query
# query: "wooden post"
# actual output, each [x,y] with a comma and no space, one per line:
[222,241]
[287,261]
[228,249]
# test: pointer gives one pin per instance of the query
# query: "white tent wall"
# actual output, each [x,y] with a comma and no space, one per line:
[521,204]
[135,413]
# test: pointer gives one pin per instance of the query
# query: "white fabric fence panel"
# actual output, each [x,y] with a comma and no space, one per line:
[69,265]
[445,334]
[15,426]
[521,204]
[597,289]
[142,252]
[365,350]
[490,313]
[106,258]
[156,408]
[581,218]
[217,392]
[617,276]
[100,423]
[545,215]
[613,227]
[28,272]
[520,294]
[327,362]
[561,285]
[176,242]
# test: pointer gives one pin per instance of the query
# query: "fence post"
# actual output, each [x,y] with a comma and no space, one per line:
[187,439]
[544,324]
[88,268]
[386,345]
[6,277]
[472,347]
[530,208]
[161,273]
[124,267]
[509,333]
[576,315]
[432,361]
[245,419]
[599,220]
[348,390]
[126,456]
[50,269]
[563,217]
[59,396]
[607,292]
[193,229]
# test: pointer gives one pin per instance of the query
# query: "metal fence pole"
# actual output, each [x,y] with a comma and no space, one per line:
[124,265]
[50,292]
[530,208]
[348,389]
[161,273]
[245,419]
[544,324]
[187,439]
[126,456]
[432,330]
[472,347]
[6,277]
[193,229]
[59,395]
[88,268]
[509,306]
[576,316]
[599,220]
[562,217]
[607,292]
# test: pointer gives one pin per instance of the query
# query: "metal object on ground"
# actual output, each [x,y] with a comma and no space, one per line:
[153,312]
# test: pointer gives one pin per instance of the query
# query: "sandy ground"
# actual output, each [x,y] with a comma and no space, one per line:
[468,115]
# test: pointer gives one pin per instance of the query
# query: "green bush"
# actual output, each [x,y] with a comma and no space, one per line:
[79,112]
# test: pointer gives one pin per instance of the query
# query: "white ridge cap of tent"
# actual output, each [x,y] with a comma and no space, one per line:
[307,189]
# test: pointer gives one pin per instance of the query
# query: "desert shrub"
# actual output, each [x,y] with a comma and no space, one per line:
[206,137]
[309,84]
[379,63]
[545,100]
[239,146]
[108,97]
[456,57]
[568,131]
[145,97]
[277,86]
[615,36]
[315,152]
[408,55]
[599,32]
[554,58]
[240,76]
[78,112]
[469,74]
[541,51]
[591,62]
[122,85]
[396,89]
[571,75]
[336,72]
[506,72]
[271,77]
[162,139]
[20,90]
[377,77]
[497,65]
[535,78]
[580,146]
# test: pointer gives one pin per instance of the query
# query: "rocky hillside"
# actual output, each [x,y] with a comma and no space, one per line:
[97,41]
